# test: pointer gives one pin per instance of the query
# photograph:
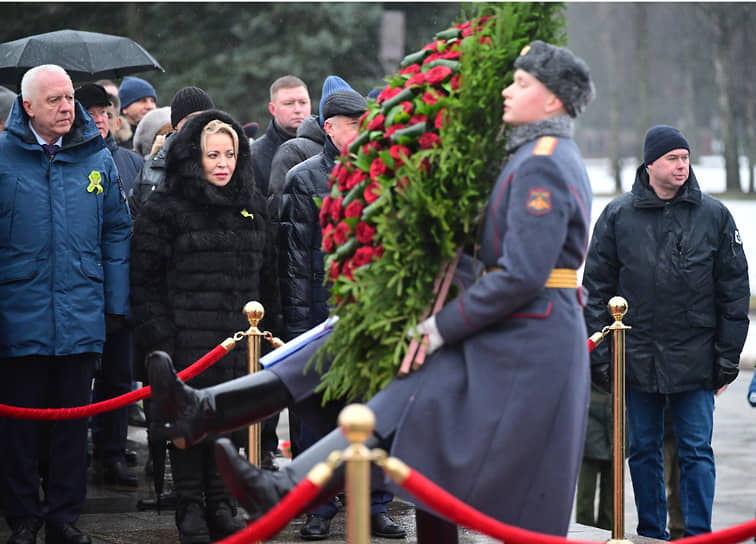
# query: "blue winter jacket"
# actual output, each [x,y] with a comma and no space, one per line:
[65,231]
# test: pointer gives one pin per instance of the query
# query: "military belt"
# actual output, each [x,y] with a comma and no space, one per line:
[560,278]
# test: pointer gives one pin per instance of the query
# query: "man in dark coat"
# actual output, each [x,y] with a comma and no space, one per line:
[514,340]
[677,257]
[289,106]
[304,296]
[109,430]
[64,249]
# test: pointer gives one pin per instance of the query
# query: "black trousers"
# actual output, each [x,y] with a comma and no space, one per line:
[60,446]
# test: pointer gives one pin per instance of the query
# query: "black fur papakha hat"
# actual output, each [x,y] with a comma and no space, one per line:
[561,71]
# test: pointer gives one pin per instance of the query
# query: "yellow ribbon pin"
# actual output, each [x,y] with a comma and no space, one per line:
[94,182]
[245,213]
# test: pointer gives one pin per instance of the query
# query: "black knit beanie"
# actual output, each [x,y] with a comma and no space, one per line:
[189,100]
[662,139]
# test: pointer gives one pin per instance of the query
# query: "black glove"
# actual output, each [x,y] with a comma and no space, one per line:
[114,323]
[600,377]
[725,371]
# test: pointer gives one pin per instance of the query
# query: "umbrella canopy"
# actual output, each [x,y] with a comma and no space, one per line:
[86,56]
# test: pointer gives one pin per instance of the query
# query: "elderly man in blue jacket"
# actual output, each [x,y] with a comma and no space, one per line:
[64,245]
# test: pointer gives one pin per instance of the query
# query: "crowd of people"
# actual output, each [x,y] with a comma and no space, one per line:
[132,235]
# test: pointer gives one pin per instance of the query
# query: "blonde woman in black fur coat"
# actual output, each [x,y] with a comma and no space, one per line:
[201,250]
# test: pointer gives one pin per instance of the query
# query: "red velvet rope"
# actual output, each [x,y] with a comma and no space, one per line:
[460,513]
[77,412]
[277,517]
[591,345]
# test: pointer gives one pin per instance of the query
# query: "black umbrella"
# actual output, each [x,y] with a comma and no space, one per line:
[86,56]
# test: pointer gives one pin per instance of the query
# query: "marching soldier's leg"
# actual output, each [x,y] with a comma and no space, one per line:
[258,490]
[192,414]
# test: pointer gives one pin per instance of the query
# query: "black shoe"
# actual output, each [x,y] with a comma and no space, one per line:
[267,461]
[136,416]
[316,527]
[24,531]
[167,502]
[118,475]
[65,533]
[221,521]
[382,525]
[131,458]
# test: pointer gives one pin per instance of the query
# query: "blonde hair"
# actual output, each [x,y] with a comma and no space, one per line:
[219,127]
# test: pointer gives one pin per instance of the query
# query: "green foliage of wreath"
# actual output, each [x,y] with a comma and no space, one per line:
[408,191]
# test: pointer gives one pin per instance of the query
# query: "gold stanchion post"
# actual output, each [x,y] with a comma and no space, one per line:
[357,423]
[254,312]
[617,307]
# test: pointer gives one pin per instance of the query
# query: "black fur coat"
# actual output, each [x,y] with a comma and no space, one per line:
[198,253]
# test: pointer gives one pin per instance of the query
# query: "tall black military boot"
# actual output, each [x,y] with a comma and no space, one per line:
[258,490]
[187,468]
[220,507]
[432,529]
[191,414]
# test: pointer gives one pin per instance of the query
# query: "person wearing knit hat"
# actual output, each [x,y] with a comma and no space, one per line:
[188,101]
[676,254]
[137,98]
[7,97]
[155,123]
[331,84]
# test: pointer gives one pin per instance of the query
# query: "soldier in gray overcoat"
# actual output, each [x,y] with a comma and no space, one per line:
[497,413]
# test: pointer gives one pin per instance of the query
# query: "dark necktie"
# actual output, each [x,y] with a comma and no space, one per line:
[51,149]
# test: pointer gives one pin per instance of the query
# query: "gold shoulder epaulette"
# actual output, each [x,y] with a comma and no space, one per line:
[545,145]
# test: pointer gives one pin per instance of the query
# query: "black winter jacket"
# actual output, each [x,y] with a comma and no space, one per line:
[129,164]
[308,143]
[150,177]
[680,265]
[198,254]
[304,297]
[263,151]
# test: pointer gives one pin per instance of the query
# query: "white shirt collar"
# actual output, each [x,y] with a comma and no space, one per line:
[40,141]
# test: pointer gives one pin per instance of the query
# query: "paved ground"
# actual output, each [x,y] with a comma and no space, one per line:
[111,516]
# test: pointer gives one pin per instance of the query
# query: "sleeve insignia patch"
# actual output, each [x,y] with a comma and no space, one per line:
[737,238]
[539,201]
[545,145]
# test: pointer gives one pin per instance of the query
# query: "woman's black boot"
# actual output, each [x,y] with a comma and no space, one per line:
[191,414]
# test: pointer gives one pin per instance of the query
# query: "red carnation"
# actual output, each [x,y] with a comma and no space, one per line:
[364,116]
[417,79]
[455,82]
[372,192]
[379,252]
[387,94]
[355,179]
[409,70]
[399,153]
[364,233]
[452,54]
[335,269]
[440,119]
[327,238]
[485,40]
[437,74]
[430,97]
[407,106]
[418,118]
[393,128]
[354,209]
[463,25]
[377,122]
[340,233]
[363,256]
[377,168]
[430,58]
[323,215]
[428,140]
[433,46]
[335,209]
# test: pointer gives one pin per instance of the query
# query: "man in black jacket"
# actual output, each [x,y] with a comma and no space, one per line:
[677,257]
[289,105]
[304,297]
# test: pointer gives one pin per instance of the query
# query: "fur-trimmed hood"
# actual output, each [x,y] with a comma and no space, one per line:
[185,175]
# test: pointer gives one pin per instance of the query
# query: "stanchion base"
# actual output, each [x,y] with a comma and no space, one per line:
[618,541]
